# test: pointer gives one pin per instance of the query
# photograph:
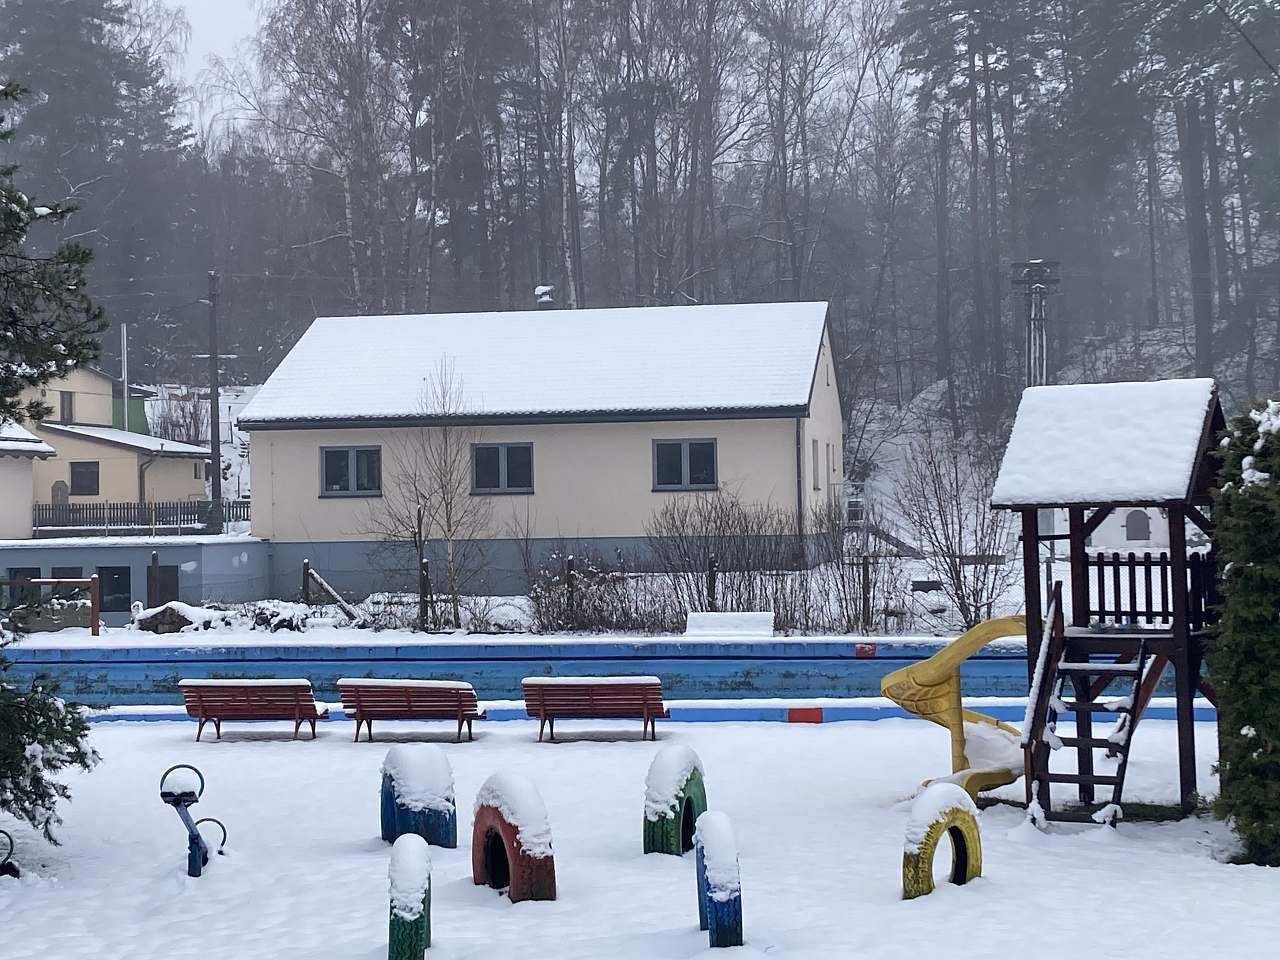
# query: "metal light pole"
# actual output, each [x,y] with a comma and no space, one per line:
[214,523]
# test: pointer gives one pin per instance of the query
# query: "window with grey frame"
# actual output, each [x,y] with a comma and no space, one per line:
[84,478]
[684,464]
[350,471]
[501,468]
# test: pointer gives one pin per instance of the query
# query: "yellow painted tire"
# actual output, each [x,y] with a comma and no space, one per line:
[966,853]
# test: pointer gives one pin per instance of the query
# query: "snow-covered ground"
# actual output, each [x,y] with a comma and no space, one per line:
[819,813]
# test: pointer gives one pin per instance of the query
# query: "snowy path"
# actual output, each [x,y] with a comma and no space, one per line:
[818,811]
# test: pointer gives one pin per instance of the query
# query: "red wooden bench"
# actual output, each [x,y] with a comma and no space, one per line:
[552,698]
[218,700]
[368,700]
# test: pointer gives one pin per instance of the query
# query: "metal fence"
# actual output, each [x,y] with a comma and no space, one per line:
[122,516]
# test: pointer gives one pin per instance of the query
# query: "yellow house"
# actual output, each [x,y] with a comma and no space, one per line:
[579,425]
[20,450]
[97,462]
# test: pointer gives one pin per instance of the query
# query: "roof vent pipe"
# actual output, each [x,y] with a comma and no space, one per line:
[545,297]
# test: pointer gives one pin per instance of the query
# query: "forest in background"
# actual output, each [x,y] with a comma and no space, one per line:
[893,158]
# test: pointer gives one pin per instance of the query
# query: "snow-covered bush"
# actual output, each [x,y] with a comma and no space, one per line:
[601,597]
[1245,658]
[40,735]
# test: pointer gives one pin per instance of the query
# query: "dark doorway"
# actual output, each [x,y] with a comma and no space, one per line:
[495,861]
[686,827]
[162,584]
[115,584]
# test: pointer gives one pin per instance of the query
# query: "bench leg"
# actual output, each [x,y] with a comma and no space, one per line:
[368,726]
[551,729]
[358,722]
[470,733]
[313,728]
[297,725]
[217,727]
[458,737]
[542,722]
[200,729]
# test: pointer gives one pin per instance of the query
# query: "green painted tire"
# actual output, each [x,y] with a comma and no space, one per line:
[673,834]
[966,853]
[409,939]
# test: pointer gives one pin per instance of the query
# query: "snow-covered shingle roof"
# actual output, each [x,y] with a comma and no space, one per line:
[17,441]
[1098,443]
[140,442]
[556,364]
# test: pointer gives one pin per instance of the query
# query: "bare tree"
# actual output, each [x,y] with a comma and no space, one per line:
[426,497]
[945,496]
[184,418]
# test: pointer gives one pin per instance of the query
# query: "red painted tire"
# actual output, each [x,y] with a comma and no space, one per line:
[497,856]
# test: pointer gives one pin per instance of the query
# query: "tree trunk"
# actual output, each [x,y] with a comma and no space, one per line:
[942,244]
[1217,221]
[997,334]
[1248,285]
[980,361]
[1191,155]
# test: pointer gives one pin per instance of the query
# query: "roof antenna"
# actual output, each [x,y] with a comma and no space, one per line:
[545,296]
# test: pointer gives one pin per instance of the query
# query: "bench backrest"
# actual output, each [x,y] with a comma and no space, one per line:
[227,700]
[411,698]
[594,699]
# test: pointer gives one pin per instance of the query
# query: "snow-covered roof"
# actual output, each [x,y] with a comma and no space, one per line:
[17,441]
[1097,443]
[141,442]
[753,359]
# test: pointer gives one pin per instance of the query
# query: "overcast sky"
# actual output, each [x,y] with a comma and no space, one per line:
[216,27]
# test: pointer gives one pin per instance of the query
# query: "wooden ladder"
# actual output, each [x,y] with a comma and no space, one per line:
[1089,678]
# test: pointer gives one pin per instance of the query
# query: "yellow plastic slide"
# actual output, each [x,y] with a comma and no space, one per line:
[985,753]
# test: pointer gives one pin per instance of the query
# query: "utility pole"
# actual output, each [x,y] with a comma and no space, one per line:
[1037,279]
[124,373]
[214,523]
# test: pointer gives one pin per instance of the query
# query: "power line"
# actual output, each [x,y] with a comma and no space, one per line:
[1247,39]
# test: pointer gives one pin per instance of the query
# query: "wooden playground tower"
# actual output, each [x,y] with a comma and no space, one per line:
[1131,616]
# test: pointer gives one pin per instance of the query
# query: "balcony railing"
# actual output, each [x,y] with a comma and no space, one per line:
[127,517]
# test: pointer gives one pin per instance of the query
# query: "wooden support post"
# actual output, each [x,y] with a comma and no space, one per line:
[1079,567]
[95,604]
[712,568]
[306,581]
[1084,733]
[1031,586]
[1186,662]
[153,580]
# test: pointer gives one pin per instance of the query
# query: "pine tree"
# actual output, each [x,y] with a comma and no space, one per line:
[48,326]
[1245,659]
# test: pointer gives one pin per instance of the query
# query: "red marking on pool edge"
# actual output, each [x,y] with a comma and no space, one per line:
[804,715]
[863,650]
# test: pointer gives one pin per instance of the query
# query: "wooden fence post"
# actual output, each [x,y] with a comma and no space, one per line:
[712,567]
[306,581]
[570,582]
[866,593]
